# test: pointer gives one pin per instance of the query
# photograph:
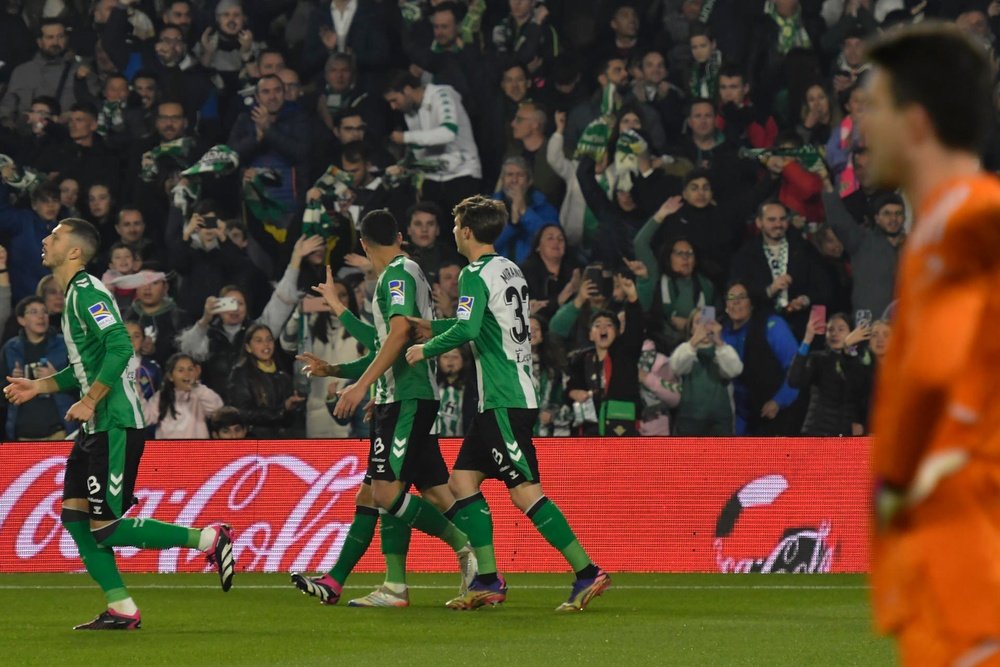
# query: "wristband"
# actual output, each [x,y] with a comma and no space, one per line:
[804,349]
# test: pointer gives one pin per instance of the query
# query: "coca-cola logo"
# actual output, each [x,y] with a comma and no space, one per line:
[289,515]
[752,533]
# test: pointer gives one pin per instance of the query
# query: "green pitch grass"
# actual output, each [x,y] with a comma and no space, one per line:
[642,620]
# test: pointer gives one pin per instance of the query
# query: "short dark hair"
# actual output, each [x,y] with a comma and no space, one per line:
[732,70]
[695,174]
[456,9]
[886,199]
[347,112]
[764,204]
[226,417]
[119,245]
[604,313]
[52,20]
[788,138]
[355,151]
[379,227]
[565,69]
[399,80]
[428,207]
[23,304]
[52,103]
[484,216]
[47,191]
[699,29]
[270,49]
[699,100]
[146,74]
[604,63]
[86,234]
[942,70]
[84,107]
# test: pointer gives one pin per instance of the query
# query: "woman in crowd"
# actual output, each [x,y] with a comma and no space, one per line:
[101,210]
[553,276]
[836,379]
[761,396]
[816,115]
[181,408]
[548,365]
[660,391]
[705,365]
[263,392]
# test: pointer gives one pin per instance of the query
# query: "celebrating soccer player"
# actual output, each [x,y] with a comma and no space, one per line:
[404,445]
[493,315]
[935,571]
[104,461]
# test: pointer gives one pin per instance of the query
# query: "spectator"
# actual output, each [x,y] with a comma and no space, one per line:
[49,73]
[370,192]
[762,398]
[879,342]
[445,290]
[578,225]
[705,147]
[529,133]
[24,231]
[833,378]
[451,419]
[228,46]
[55,300]
[783,266]
[84,156]
[705,365]
[874,250]
[548,370]
[39,131]
[182,406]
[157,314]
[348,27]
[793,184]
[552,275]
[529,210]
[423,231]
[626,42]
[101,212]
[148,375]
[261,391]
[216,340]
[527,38]
[341,92]
[131,230]
[5,308]
[440,133]
[612,78]
[836,264]
[571,323]
[604,378]
[742,122]
[123,261]
[844,140]
[228,423]
[660,391]
[816,115]
[703,81]
[69,196]
[36,352]
[784,25]
[655,92]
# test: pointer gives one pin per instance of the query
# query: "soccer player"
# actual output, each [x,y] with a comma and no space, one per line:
[935,570]
[493,315]
[404,446]
[104,461]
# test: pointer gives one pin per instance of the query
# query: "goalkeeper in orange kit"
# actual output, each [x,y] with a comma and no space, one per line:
[936,557]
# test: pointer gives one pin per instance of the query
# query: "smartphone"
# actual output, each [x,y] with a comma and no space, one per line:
[314,304]
[862,319]
[604,284]
[210,220]
[707,314]
[818,315]
[226,304]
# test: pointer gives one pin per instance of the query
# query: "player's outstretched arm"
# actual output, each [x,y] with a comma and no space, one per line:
[466,325]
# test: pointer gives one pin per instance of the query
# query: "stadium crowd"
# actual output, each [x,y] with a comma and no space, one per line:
[685,182]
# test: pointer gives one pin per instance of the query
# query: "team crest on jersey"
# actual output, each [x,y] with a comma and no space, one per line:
[397,292]
[464,310]
[102,315]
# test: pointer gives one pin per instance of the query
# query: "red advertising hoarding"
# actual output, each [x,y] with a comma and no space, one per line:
[636,505]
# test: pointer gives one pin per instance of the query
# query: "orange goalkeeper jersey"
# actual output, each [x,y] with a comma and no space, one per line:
[938,388]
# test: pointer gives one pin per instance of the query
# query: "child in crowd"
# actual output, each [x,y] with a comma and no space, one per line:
[182,406]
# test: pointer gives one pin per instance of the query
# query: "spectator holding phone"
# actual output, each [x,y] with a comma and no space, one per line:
[552,275]
[571,322]
[706,365]
[604,377]
[834,378]
[182,406]
[762,398]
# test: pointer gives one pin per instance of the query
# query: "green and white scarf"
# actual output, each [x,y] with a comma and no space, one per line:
[111,118]
[705,77]
[627,151]
[265,208]
[791,33]
[175,153]
[24,180]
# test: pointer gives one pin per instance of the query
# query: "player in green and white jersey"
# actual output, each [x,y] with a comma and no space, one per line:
[404,444]
[493,316]
[102,466]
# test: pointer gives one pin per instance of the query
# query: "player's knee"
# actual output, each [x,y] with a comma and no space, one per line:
[385,495]
[440,496]
[364,496]
[527,495]
[462,486]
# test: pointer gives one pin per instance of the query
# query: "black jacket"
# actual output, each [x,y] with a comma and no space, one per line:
[837,390]
[261,398]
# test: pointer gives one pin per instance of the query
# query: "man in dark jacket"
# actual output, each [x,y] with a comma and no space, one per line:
[782,265]
[22,231]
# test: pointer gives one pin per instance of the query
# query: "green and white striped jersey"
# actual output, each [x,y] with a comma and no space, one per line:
[449,419]
[402,290]
[493,315]
[99,349]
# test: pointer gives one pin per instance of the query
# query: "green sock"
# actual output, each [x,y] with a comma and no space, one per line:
[151,534]
[551,523]
[475,519]
[359,537]
[417,512]
[395,543]
[99,560]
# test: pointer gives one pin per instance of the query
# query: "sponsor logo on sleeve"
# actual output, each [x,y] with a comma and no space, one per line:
[397,292]
[102,315]
[464,310]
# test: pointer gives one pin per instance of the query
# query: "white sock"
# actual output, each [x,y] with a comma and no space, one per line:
[207,538]
[398,589]
[126,606]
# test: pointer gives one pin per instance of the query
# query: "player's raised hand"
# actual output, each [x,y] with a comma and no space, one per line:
[421,328]
[328,291]
[20,390]
[415,354]
[313,366]
[350,398]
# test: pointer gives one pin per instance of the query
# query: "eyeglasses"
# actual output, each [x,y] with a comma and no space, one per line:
[683,253]
[737,297]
